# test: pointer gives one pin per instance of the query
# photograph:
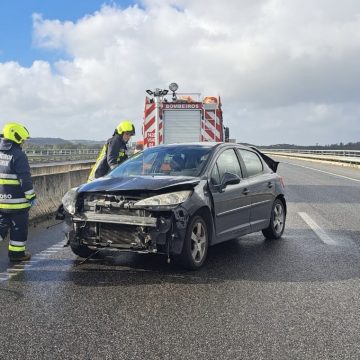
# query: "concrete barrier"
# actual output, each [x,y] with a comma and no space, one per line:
[52,181]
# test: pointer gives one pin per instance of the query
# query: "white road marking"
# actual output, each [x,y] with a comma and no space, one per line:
[9,275]
[15,270]
[26,265]
[323,236]
[325,172]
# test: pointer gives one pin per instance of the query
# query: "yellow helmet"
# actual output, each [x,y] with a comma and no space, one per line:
[15,132]
[126,126]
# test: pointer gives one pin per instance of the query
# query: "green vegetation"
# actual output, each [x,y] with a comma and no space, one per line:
[58,144]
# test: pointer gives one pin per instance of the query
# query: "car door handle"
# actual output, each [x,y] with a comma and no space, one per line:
[269,185]
[246,191]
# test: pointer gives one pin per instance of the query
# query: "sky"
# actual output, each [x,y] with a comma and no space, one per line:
[286,71]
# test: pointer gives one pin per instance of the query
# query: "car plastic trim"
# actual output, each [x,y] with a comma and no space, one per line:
[116,219]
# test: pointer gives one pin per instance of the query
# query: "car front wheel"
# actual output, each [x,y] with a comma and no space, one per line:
[196,244]
[277,221]
[79,249]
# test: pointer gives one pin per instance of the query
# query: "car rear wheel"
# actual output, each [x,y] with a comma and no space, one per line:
[277,221]
[196,244]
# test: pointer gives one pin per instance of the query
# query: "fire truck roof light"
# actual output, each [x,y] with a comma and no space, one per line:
[173,86]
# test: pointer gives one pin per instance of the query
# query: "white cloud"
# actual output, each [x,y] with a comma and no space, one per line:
[287,71]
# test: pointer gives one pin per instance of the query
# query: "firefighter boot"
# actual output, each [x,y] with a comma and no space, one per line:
[17,258]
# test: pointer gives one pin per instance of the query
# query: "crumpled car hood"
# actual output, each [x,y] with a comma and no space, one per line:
[135,183]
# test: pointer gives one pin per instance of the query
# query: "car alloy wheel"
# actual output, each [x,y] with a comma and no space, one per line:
[277,221]
[279,218]
[198,242]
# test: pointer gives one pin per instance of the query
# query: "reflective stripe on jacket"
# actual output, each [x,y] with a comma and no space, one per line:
[16,189]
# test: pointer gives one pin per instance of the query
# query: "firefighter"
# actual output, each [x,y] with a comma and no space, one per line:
[16,190]
[114,152]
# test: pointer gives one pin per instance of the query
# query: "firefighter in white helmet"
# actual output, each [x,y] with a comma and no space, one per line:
[114,152]
[16,190]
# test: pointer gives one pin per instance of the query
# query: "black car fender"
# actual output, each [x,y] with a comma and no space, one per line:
[200,203]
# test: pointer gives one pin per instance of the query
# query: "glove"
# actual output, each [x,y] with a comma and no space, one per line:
[34,202]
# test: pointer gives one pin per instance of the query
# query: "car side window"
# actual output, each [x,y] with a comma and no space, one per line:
[252,162]
[226,162]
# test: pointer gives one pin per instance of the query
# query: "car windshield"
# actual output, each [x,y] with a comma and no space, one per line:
[172,160]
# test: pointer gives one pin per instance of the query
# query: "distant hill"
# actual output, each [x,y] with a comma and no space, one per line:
[58,143]
[88,142]
[340,146]
[47,141]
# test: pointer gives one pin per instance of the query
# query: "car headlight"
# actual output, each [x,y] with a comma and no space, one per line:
[69,201]
[169,199]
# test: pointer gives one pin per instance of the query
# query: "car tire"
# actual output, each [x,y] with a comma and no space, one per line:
[196,244]
[277,221]
[79,249]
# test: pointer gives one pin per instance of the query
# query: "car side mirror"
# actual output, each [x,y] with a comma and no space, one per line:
[229,179]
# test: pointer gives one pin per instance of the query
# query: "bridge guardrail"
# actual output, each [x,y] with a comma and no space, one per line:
[347,153]
[36,156]
[351,157]
[44,156]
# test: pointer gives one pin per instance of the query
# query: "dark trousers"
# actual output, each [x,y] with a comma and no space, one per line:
[17,223]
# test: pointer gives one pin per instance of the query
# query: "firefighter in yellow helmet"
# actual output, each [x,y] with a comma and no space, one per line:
[114,152]
[16,190]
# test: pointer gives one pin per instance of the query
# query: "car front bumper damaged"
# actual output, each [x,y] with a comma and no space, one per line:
[157,232]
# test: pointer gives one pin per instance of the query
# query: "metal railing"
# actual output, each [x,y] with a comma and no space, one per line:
[35,156]
[339,156]
[347,153]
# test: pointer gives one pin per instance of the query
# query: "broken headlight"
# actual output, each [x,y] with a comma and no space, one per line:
[170,199]
[69,201]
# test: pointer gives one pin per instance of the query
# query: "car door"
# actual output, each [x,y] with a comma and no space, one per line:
[232,204]
[261,186]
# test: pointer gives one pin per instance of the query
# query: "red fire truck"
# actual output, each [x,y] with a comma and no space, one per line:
[179,118]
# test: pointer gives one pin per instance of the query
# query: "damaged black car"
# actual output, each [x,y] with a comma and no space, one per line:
[178,200]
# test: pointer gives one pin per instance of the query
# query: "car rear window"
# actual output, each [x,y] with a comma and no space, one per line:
[252,162]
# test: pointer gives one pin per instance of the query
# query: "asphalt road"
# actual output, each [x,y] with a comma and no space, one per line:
[295,298]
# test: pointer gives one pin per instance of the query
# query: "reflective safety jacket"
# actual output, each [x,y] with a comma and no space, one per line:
[112,154]
[16,189]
